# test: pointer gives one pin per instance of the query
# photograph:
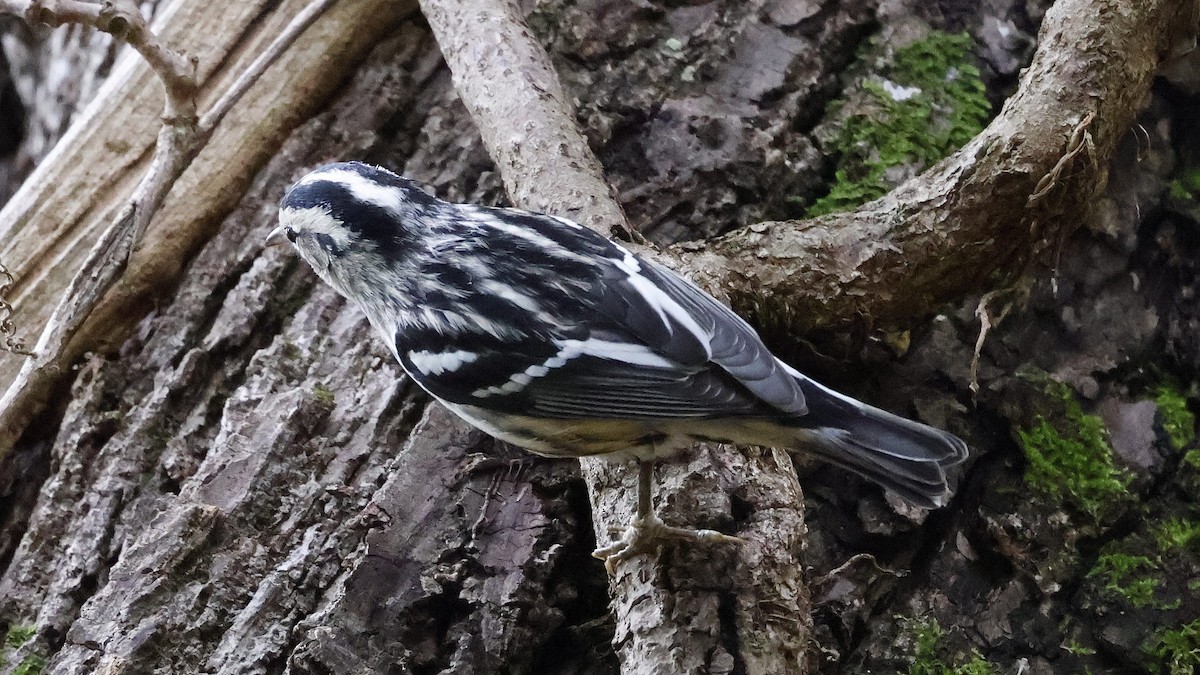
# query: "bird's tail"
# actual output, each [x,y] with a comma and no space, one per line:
[906,457]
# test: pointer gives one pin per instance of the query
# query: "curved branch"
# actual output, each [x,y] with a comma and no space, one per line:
[989,208]
[983,212]
[122,20]
[180,140]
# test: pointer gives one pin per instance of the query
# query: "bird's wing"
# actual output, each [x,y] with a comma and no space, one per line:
[596,331]
[677,320]
[590,378]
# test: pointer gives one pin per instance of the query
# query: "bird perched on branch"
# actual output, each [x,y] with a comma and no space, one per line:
[547,335]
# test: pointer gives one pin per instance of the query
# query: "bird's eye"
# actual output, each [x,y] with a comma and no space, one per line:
[290,234]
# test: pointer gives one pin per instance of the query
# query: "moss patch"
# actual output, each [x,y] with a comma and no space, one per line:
[1192,459]
[1128,576]
[928,658]
[30,665]
[18,635]
[1149,569]
[1178,650]
[1177,533]
[324,395]
[1073,462]
[1186,187]
[1177,420]
[926,102]
[15,638]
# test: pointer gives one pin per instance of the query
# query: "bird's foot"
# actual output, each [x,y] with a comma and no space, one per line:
[646,534]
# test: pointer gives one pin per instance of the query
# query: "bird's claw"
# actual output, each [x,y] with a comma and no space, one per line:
[646,534]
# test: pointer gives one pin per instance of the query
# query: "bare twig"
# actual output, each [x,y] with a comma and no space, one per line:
[122,20]
[179,141]
[986,324]
[1080,140]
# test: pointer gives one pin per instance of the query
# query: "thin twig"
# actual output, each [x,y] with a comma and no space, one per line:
[179,141]
[1080,140]
[987,322]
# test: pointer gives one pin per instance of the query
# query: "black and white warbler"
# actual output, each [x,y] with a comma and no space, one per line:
[551,337]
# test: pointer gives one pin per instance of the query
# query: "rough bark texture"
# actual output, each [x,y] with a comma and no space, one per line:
[975,216]
[49,231]
[248,484]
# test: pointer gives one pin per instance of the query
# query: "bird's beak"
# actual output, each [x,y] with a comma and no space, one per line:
[276,237]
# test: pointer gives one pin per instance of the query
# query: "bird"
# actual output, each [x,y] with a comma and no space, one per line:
[554,338]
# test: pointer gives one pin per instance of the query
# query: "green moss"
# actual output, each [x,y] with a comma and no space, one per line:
[1078,649]
[19,635]
[1178,650]
[929,102]
[1177,533]
[1187,186]
[1074,465]
[927,658]
[290,351]
[1192,459]
[16,637]
[33,664]
[1177,420]
[1120,573]
[324,395]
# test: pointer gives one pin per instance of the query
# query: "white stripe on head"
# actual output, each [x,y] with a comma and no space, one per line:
[363,189]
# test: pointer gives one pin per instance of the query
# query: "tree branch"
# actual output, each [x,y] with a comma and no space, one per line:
[981,214]
[180,141]
[667,613]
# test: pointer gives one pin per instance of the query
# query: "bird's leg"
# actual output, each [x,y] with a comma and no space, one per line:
[646,533]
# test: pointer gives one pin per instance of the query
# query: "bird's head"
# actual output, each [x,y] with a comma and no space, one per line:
[347,208]
[351,220]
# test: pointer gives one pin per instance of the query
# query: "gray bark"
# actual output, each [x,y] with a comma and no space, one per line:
[245,482]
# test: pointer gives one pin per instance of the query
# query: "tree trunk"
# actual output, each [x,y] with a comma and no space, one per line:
[241,479]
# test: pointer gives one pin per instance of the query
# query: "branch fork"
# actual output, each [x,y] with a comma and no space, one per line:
[183,134]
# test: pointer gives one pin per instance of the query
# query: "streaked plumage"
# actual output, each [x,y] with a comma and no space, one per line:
[546,334]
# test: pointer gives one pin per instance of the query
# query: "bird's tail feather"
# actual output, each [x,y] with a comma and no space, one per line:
[906,457]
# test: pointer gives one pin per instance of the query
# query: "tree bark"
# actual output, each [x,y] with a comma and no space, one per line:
[49,232]
[245,482]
